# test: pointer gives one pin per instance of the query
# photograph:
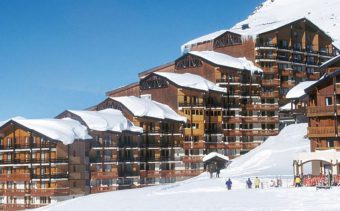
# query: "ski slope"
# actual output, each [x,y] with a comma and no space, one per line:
[271,159]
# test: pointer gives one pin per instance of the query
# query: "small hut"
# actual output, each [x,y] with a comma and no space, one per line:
[214,161]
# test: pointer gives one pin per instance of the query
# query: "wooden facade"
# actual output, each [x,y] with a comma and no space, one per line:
[159,149]
[36,170]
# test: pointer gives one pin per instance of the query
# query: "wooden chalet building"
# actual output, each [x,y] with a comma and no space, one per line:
[114,151]
[324,122]
[38,162]
[159,149]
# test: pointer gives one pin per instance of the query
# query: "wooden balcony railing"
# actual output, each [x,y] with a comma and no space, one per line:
[232,132]
[269,70]
[262,107]
[193,145]
[286,72]
[320,111]
[260,132]
[234,145]
[270,82]
[149,173]
[14,192]
[212,145]
[249,145]
[287,84]
[321,132]
[100,189]
[191,159]
[50,192]
[301,74]
[14,177]
[104,175]
[314,76]
[270,94]
[260,119]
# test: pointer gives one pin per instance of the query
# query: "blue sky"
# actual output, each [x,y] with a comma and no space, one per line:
[65,54]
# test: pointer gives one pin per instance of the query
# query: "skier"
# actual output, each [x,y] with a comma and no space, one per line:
[257,182]
[249,183]
[228,184]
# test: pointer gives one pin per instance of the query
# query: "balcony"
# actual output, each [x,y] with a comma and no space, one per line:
[260,132]
[273,94]
[287,84]
[320,111]
[104,175]
[101,189]
[286,72]
[193,145]
[262,107]
[188,104]
[232,120]
[50,192]
[191,159]
[214,145]
[270,82]
[234,145]
[261,119]
[59,175]
[14,177]
[193,132]
[149,173]
[14,192]
[301,74]
[232,132]
[314,132]
[314,76]
[269,70]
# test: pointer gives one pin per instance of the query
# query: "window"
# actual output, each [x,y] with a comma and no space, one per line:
[330,143]
[328,101]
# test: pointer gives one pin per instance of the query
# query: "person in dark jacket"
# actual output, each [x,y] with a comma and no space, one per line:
[218,172]
[249,183]
[228,183]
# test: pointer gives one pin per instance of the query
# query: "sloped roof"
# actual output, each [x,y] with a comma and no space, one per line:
[299,90]
[64,130]
[191,81]
[143,107]
[226,60]
[106,120]
[215,154]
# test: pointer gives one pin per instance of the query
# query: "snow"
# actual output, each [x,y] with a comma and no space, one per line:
[214,154]
[269,160]
[329,62]
[299,90]
[191,81]
[107,120]
[64,130]
[226,60]
[275,13]
[143,107]
[13,118]
[287,107]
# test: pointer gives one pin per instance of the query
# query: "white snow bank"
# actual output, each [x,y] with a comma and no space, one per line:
[107,120]
[215,154]
[191,81]
[143,107]
[299,90]
[274,157]
[226,60]
[64,130]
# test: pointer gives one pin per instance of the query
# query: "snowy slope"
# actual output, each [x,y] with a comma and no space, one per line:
[275,13]
[274,157]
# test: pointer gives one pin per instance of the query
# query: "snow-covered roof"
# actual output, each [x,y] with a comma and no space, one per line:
[204,38]
[287,107]
[191,81]
[226,60]
[13,118]
[215,154]
[325,155]
[107,120]
[65,130]
[330,62]
[299,90]
[273,14]
[144,107]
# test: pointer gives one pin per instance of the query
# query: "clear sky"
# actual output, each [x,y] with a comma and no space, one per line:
[65,54]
